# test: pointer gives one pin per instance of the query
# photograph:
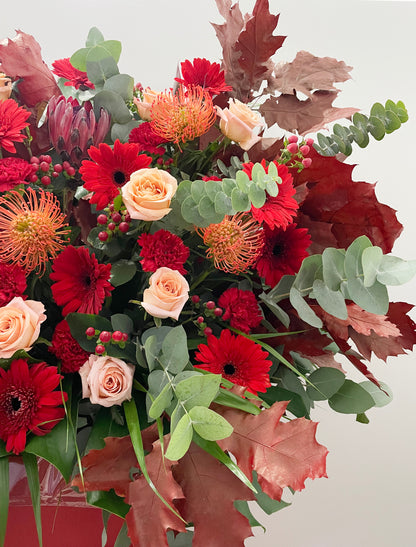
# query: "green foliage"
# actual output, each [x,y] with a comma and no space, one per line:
[32,472]
[351,398]
[203,203]
[382,120]
[4,497]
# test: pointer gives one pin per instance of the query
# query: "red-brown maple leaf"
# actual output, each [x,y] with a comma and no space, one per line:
[210,491]
[303,117]
[307,73]
[282,454]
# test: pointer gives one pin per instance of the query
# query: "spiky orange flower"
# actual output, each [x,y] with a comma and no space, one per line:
[234,244]
[184,116]
[32,229]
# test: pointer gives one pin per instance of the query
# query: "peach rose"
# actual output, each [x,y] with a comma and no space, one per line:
[107,381]
[148,193]
[144,106]
[240,124]
[166,295]
[5,87]
[20,322]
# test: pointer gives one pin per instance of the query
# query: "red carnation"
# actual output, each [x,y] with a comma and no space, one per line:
[13,171]
[237,359]
[81,283]
[282,253]
[205,74]
[78,79]
[12,282]
[277,212]
[241,309]
[12,121]
[66,349]
[147,139]
[28,402]
[110,169]
[163,249]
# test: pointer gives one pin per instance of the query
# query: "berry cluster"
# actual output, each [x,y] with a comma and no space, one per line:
[210,310]
[114,220]
[105,337]
[164,164]
[43,169]
[294,154]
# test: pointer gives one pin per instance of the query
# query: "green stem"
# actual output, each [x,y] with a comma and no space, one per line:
[201,278]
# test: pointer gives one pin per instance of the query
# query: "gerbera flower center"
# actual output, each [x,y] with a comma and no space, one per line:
[19,405]
[278,249]
[229,369]
[16,404]
[119,178]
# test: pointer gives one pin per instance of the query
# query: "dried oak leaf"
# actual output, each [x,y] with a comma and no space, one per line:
[149,519]
[282,454]
[21,58]
[210,491]
[307,73]
[304,117]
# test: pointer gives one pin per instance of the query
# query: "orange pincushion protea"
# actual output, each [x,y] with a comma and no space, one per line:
[32,229]
[234,244]
[182,117]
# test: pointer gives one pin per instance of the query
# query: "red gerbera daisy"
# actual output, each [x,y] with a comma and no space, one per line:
[205,74]
[147,139]
[110,169]
[282,253]
[237,359]
[163,249]
[28,402]
[12,282]
[81,283]
[66,348]
[277,212]
[241,309]
[12,121]
[78,79]
[13,171]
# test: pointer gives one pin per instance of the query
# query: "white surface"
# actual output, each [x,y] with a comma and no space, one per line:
[368,499]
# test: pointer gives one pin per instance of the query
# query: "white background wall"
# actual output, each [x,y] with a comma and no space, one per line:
[368,499]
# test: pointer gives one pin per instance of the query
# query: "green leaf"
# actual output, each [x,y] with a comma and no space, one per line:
[122,322]
[212,188]
[99,70]
[123,539]
[307,272]
[227,398]
[180,439]
[161,403]
[370,260]
[121,131]
[351,398]
[331,301]
[353,265]
[376,128]
[362,418]
[31,466]
[374,299]
[198,390]
[108,501]
[4,498]
[239,200]
[382,397]
[257,196]
[122,84]
[297,404]
[327,380]
[243,181]
[395,271]
[206,209]
[114,104]
[94,37]
[222,204]
[175,354]
[208,424]
[304,310]
[198,190]
[122,271]
[333,267]
[190,213]
[266,503]
[103,427]
[79,59]
[243,507]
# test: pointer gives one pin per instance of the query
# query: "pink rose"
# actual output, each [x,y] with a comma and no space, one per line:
[5,87]
[144,106]
[166,295]
[20,322]
[148,193]
[107,381]
[240,124]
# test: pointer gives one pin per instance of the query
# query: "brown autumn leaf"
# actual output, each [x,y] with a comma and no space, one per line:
[307,73]
[304,117]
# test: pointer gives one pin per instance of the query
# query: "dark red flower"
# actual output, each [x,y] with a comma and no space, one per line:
[13,171]
[237,359]
[12,282]
[12,121]
[66,349]
[28,402]
[282,253]
[205,74]
[277,212]
[80,282]
[110,169]
[241,309]
[78,79]
[163,249]
[147,139]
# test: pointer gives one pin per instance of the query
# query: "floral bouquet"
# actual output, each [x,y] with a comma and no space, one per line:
[177,288]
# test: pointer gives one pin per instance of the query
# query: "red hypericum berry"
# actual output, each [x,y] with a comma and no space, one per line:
[58,168]
[125,337]
[124,227]
[210,305]
[305,149]
[55,174]
[207,331]
[306,162]
[218,312]
[111,226]
[309,142]
[111,207]
[195,299]
[44,166]
[100,349]
[292,147]
[117,336]
[45,180]
[127,217]
[33,178]
[116,217]
[293,138]
[102,219]
[200,319]
[34,159]
[103,236]
[35,167]
[66,165]
[105,336]
[90,331]
[70,171]
[160,161]
[47,158]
